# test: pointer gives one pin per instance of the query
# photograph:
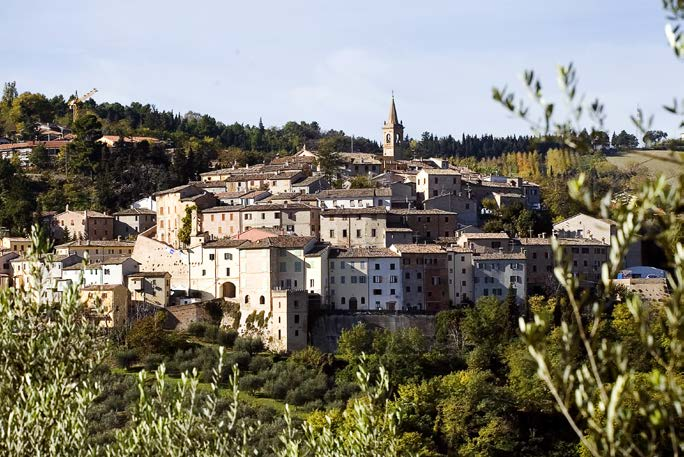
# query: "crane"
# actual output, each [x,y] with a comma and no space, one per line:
[73,104]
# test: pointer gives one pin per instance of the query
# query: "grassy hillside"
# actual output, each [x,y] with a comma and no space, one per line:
[668,163]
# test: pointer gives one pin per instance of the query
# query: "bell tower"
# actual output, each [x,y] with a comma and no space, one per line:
[392,134]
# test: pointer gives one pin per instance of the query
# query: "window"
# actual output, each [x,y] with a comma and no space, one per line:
[377,291]
[332,280]
[344,233]
[227,271]
[377,266]
[377,279]
[277,215]
[332,233]
[211,256]
[204,272]
[343,279]
[298,267]
[373,232]
[354,279]
[393,292]
[106,271]
[311,283]
[362,280]
[393,279]
[227,256]
[393,266]
[358,234]
[246,298]
[343,264]
[485,292]
[332,265]
[283,267]
[407,275]
[262,300]
[419,275]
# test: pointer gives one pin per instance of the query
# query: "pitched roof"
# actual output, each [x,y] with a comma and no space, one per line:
[439,171]
[176,189]
[562,241]
[280,241]
[485,235]
[355,193]
[392,119]
[133,212]
[290,174]
[223,209]
[420,212]
[309,180]
[96,243]
[499,256]
[101,287]
[372,210]
[224,243]
[360,158]
[149,274]
[278,207]
[295,196]
[419,248]
[363,252]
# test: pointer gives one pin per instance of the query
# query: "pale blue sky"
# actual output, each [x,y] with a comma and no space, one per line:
[337,62]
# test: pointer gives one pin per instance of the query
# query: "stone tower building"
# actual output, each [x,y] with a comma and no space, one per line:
[392,134]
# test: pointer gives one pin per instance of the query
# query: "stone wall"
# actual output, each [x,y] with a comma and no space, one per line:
[325,329]
[154,255]
[179,317]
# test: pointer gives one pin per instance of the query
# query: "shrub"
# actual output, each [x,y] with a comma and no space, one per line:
[251,382]
[241,358]
[125,358]
[152,361]
[260,363]
[197,329]
[249,344]
[227,337]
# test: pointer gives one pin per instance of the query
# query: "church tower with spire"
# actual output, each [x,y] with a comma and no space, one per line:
[392,134]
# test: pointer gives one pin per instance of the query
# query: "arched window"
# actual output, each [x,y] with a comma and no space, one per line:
[262,300]
[246,298]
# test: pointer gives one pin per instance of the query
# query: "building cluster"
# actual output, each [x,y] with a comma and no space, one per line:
[275,240]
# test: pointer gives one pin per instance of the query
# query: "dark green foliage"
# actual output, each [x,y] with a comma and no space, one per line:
[249,344]
[125,358]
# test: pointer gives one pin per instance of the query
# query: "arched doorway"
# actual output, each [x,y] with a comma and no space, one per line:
[352,304]
[228,290]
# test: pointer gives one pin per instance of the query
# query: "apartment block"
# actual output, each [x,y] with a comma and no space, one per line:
[82,225]
[425,225]
[494,273]
[365,279]
[425,276]
[171,206]
[150,287]
[460,275]
[130,222]
[355,198]
[435,182]
[354,227]
[586,255]
[96,251]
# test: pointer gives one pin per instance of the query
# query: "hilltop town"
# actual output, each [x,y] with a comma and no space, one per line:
[317,233]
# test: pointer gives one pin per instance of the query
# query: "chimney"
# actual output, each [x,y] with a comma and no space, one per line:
[520,182]
[67,207]
[543,235]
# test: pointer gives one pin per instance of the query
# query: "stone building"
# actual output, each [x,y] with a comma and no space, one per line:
[113,301]
[130,222]
[366,278]
[354,227]
[82,225]
[392,135]
[588,227]
[150,287]
[436,181]
[426,225]
[460,264]
[587,256]
[494,273]
[97,251]
[425,276]
[355,198]
[171,209]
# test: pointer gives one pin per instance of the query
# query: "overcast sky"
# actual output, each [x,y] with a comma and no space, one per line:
[338,62]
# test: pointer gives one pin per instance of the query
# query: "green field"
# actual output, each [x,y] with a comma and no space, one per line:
[668,163]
